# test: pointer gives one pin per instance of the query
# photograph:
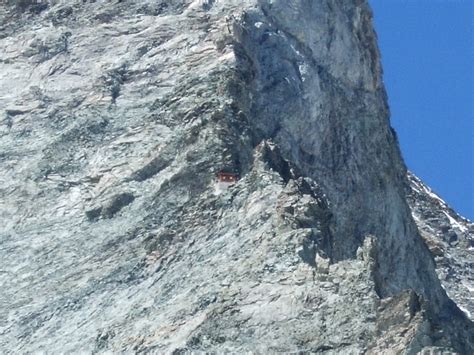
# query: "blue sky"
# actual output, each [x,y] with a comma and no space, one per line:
[427,56]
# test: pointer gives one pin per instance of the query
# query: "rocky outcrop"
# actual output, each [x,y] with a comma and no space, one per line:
[117,117]
[450,239]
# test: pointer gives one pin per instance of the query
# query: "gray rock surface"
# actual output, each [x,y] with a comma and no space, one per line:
[450,238]
[116,117]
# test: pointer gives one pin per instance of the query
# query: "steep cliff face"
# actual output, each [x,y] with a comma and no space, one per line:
[450,239]
[117,117]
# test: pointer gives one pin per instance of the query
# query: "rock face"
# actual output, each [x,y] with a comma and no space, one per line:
[450,239]
[117,117]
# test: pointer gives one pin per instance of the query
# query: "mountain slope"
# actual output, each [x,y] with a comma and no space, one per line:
[450,238]
[117,118]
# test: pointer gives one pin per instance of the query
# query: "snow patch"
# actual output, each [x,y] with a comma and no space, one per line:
[415,186]
[430,193]
[304,70]
[419,187]
[455,223]
[466,312]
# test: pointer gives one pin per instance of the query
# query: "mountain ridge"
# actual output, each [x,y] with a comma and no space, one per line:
[118,118]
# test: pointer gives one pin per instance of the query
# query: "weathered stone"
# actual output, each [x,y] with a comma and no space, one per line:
[117,118]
